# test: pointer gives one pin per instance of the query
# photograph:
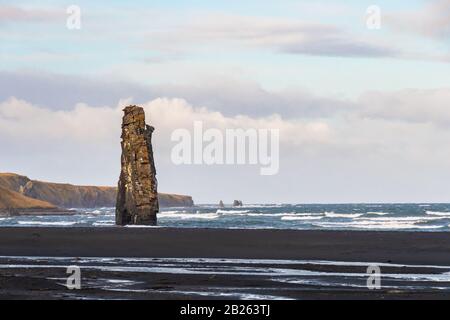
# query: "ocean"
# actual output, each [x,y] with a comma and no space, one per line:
[393,217]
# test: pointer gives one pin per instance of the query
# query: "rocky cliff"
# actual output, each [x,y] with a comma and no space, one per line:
[137,197]
[12,202]
[72,196]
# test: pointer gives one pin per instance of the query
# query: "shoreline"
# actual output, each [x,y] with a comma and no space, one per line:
[169,263]
[421,248]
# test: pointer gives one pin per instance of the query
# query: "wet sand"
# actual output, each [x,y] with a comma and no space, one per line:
[396,247]
[298,274]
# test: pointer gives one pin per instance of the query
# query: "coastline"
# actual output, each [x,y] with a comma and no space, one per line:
[357,246]
[196,264]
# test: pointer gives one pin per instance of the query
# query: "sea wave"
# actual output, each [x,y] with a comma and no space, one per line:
[293,218]
[290,216]
[171,212]
[342,215]
[103,224]
[249,213]
[402,219]
[263,206]
[438,213]
[285,214]
[379,213]
[48,223]
[183,216]
[231,211]
[373,225]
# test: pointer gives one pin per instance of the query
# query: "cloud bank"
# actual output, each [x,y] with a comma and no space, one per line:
[278,35]
[385,143]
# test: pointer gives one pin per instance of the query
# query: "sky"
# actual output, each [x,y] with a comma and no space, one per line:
[363,113]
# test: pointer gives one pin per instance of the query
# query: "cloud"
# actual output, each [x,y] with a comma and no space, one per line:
[9,13]
[381,155]
[171,114]
[279,35]
[89,125]
[81,145]
[228,96]
[64,91]
[45,125]
[233,97]
[432,20]
[338,46]
[411,105]
[176,36]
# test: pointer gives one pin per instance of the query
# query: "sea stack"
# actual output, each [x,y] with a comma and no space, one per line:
[137,197]
[237,203]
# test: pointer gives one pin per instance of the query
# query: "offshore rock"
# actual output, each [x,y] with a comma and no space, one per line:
[237,203]
[137,196]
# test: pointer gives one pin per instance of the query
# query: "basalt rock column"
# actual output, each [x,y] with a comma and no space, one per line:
[137,197]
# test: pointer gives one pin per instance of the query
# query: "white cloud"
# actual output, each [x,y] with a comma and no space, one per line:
[226,95]
[22,121]
[82,146]
[276,34]
[26,122]
[375,152]
[412,105]
[432,20]
[170,114]
[10,13]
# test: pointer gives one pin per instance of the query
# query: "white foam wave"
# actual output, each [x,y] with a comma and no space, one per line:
[232,211]
[184,216]
[438,213]
[342,215]
[379,213]
[103,224]
[172,212]
[293,218]
[121,260]
[292,214]
[405,219]
[44,223]
[266,214]
[392,225]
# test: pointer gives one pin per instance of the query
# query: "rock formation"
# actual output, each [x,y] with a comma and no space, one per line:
[237,203]
[71,196]
[221,205]
[137,197]
[14,203]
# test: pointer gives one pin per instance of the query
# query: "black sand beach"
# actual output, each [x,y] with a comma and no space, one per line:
[395,247]
[241,264]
